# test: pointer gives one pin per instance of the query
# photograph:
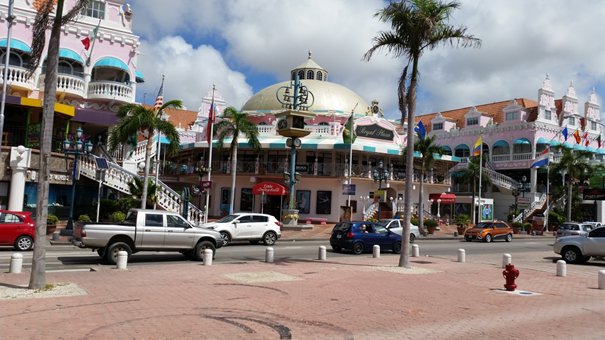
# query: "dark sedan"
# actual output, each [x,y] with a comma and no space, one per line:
[360,237]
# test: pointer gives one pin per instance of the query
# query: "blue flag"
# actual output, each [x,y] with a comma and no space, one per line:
[564,132]
[420,130]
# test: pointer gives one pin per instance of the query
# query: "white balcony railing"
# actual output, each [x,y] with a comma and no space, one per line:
[110,90]
[71,85]
[18,77]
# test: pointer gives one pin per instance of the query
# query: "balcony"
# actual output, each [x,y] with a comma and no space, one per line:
[18,78]
[110,90]
[68,84]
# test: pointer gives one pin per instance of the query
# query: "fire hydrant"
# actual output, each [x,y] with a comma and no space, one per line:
[510,273]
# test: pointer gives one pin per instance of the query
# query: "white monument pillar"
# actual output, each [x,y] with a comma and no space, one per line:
[20,159]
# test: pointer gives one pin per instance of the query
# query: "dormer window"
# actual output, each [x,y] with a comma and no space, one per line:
[572,120]
[310,74]
[472,121]
[301,74]
[438,126]
[94,9]
[319,76]
[547,114]
[593,125]
[512,116]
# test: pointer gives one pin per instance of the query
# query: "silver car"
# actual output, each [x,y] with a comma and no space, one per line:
[396,226]
[574,228]
[579,249]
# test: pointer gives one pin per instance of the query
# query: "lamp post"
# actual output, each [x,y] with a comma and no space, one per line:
[523,180]
[438,207]
[74,147]
[380,174]
[516,194]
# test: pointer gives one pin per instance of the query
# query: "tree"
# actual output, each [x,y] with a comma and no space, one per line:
[416,26]
[42,22]
[575,164]
[236,124]
[427,149]
[134,118]
[471,174]
[136,190]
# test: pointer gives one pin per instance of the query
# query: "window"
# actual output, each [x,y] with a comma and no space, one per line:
[245,219]
[319,76]
[301,74]
[572,120]
[547,114]
[260,218]
[94,9]
[472,121]
[512,116]
[9,218]
[176,222]
[599,232]
[593,125]
[438,126]
[310,74]
[154,220]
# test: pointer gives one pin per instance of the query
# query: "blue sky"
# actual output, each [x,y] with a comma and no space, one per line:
[242,46]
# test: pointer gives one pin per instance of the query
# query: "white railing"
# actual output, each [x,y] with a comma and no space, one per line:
[266,130]
[521,156]
[535,205]
[110,90]
[500,158]
[18,76]
[118,178]
[70,84]
[370,211]
[501,180]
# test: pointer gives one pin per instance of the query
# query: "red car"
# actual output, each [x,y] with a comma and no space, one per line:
[17,229]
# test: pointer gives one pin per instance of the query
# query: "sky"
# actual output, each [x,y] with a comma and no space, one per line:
[243,46]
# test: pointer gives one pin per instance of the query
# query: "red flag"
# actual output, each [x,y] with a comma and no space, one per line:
[86,43]
[577,137]
[599,140]
[586,140]
[211,116]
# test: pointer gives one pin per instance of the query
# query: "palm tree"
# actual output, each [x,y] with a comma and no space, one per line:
[134,118]
[417,26]
[575,164]
[471,173]
[427,149]
[236,123]
[136,190]
[43,19]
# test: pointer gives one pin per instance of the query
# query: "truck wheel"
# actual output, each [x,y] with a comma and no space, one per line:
[201,246]
[111,255]
[101,252]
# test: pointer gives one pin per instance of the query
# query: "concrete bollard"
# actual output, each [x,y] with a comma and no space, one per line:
[506,259]
[376,251]
[16,264]
[561,268]
[455,234]
[601,279]
[415,250]
[56,236]
[461,255]
[322,253]
[269,255]
[208,253]
[122,262]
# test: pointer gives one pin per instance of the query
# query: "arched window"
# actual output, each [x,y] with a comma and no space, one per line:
[501,147]
[446,150]
[462,150]
[16,58]
[293,75]
[301,74]
[310,74]
[319,75]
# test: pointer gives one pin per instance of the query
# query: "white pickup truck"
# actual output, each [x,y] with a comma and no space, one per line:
[153,230]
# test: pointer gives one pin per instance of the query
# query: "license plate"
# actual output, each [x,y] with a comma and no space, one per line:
[338,236]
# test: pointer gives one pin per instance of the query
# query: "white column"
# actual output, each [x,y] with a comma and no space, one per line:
[20,159]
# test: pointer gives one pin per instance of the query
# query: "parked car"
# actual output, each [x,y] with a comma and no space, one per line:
[17,229]
[362,236]
[489,231]
[396,225]
[574,228]
[580,248]
[248,227]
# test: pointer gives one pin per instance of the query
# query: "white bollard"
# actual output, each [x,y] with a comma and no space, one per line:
[415,250]
[561,268]
[376,251]
[601,279]
[56,236]
[461,255]
[122,262]
[269,255]
[506,259]
[208,253]
[16,264]
[322,253]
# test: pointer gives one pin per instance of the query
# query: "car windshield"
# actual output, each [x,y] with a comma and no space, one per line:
[342,226]
[227,218]
[484,225]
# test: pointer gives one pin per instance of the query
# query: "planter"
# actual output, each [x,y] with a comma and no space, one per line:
[461,230]
[431,230]
[290,218]
[50,229]
[515,230]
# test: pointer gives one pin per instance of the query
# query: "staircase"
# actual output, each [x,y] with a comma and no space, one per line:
[535,205]
[118,178]
[498,179]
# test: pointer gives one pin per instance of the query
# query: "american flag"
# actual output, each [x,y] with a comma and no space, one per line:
[159,100]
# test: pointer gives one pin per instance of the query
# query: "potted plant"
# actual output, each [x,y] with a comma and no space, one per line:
[431,226]
[51,223]
[517,226]
[462,221]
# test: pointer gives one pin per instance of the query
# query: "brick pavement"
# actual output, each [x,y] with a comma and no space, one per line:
[353,297]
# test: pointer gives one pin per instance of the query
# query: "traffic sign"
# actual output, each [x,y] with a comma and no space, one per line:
[205,184]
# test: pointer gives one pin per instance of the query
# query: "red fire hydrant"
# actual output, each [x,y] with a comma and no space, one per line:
[510,273]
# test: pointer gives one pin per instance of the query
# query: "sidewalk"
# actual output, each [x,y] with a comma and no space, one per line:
[353,297]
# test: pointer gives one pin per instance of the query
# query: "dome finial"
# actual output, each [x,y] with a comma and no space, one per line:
[309,54]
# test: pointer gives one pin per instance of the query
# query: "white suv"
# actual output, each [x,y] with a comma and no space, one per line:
[396,226]
[248,227]
[580,248]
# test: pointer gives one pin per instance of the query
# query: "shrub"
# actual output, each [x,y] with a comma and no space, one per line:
[52,219]
[527,226]
[430,223]
[414,221]
[117,216]
[518,225]
[84,218]
[462,219]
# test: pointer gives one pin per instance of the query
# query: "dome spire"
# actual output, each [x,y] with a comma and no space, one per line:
[309,55]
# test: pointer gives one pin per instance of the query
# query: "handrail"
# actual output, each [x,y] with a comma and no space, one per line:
[530,210]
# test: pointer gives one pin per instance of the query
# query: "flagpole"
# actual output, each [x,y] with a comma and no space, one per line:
[547,191]
[158,135]
[351,155]
[207,207]
[94,39]
[480,172]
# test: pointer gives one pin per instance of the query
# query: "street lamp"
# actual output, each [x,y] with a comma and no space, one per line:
[523,189]
[75,147]
[380,174]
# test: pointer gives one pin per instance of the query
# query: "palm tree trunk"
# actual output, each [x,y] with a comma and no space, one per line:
[404,259]
[37,278]
[233,177]
[146,175]
[420,202]
[569,193]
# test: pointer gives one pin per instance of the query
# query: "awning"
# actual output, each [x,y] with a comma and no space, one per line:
[555,143]
[542,140]
[17,45]
[139,76]
[522,141]
[445,198]
[500,143]
[112,62]
[579,147]
[163,140]
[59,108]
[269,188]
[71,55]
